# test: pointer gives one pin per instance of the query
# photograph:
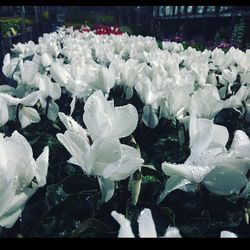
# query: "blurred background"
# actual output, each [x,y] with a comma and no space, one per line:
[197,26]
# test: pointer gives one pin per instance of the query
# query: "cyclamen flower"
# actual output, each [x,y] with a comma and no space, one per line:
[9,65]
[104,120]
[105,80]
[146,226]
[24,49]
[220,171]
[18,169]
[27,115]
[106,157]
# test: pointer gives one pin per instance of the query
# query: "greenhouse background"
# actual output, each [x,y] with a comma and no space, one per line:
[204,26]
[125,121]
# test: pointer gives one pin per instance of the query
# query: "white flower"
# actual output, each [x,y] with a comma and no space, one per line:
[59,74]
[9,65]
[227,234]
[105,80]
[49,88]
[207,102]
[28,71]
[129,72]
[177,101]
[151,93]
[24,49]
[27,116]
[7,102]
[230,75]
[149,117]
[104,120]
[106,157]
[220,171]
[46,60]
[218,56]
[172,47]
[17,170]
[146,226]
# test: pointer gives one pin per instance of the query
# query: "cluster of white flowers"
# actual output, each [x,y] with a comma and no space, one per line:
[169,81]
[173,83]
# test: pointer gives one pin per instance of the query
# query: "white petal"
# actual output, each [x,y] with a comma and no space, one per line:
[50,88]
[28,71]
[73,160]
[129,162]
[149,117]
[4,113]
[42,167]
[173,183]
[107,188]
[59,74]
[3,157]
[55,91]
[125,227]
[172,232]
[240,139]
[72,125]
[46,60]
[178,99]
[103,120]
[7,89]
[226,180]
[189,172]
[97,115]
[30,100]
[220,136]
[78,147]
[53,110]
[200,133]
[242,93]
[16,205]
[27,116]
[207,157]
[36,59]
[19,140]
[232,102]
[124,121]
[7,191]
[105,152]
[105,80]
[9,65]
[146,224]
[72,105]
[23,162]
[228,234]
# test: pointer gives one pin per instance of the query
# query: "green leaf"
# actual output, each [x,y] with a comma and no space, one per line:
[80,183]
[64,218]
[170,214]
[91,228]
[134,186]
[153,173]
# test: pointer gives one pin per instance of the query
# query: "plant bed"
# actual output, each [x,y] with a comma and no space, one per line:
[106,136]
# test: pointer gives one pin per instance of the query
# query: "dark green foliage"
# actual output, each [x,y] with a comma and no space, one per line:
[70,203]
